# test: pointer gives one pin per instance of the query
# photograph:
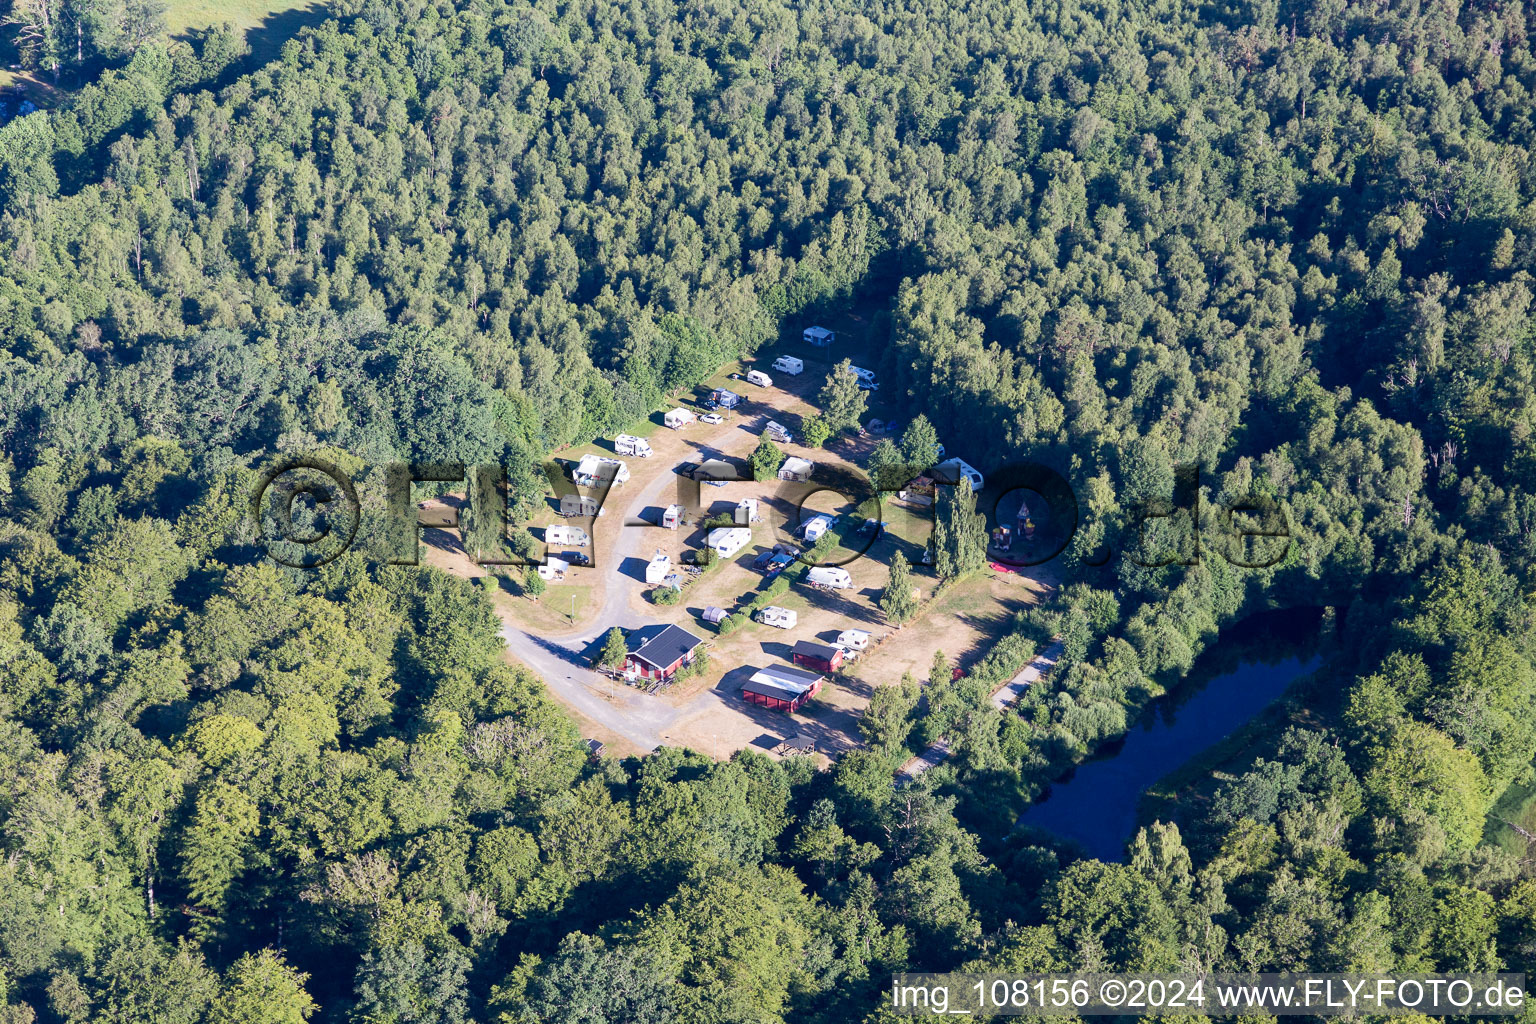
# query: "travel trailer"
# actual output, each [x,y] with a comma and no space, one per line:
[726,541]
[853,639]
[572,535]
[816,527]
[580,505]
[952,470]
[829,576]
[629,444]
[796,469]
[553,568]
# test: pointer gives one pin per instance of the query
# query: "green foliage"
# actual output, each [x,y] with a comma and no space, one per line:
[842,400]
[766,458]
[959,533]
[664,595]
[615,650]
[920,444]
[897,602]
[815,431]
[1292,249]
[533,584]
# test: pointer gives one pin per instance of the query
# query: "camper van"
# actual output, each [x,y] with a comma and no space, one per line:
[773,615]
[778,432]
[759,378]
[790,365]
[829,576]
[866,378]
[629,444]
[572,535]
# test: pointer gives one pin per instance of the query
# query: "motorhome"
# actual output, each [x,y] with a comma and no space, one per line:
[779,432]
[783,618]
[629,444]
[790,365]
[866,378]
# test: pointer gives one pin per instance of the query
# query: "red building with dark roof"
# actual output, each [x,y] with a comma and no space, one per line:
[780,687]
[823,658]
[657,652]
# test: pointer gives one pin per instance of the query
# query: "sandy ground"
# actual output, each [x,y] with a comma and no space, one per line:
[707,712]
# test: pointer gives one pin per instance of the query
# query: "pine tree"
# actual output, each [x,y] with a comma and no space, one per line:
[614,650]
[897,602]
[842,400]
[920,443]
[959,533]
[766,459]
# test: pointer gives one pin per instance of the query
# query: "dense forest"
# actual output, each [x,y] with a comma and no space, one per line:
[1288,241]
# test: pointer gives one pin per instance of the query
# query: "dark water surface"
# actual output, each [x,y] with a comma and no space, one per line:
[1234,679]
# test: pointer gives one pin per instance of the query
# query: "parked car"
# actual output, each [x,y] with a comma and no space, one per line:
[711,417]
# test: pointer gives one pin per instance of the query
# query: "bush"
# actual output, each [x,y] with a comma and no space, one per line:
[699,666]
[666,596]
[730,624]
[778,587]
